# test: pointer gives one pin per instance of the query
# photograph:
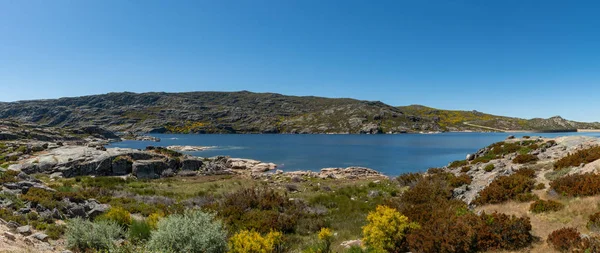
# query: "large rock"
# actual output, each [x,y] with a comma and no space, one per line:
[121,165]
[148,169]
[191,163]
[24,230]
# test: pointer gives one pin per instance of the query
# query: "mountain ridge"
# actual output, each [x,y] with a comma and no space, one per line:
[250,112]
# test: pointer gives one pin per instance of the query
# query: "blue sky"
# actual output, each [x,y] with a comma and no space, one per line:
[515,58]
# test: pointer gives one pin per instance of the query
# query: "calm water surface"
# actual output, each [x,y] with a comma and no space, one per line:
[390,154]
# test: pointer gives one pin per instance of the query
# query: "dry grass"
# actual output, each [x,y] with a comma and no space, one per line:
[575,214]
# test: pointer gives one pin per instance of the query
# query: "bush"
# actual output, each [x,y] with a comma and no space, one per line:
[506,188]
[564,239]
[85,235]
[409,179]
[457,164]
[386,230]
[594,222]
[261,210]
[118,215]
[8,176]
[583,156]
[153,220]
[460,180]
[500,231]
[587,184]
[525,158]
[542,206]
[55,231]
[489,167]
[447,225]
[326,236]
[465,169]
[193,231]
[253,242]
[540,186]
[139,231]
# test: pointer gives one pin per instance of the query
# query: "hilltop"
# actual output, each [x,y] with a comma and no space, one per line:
[247,112]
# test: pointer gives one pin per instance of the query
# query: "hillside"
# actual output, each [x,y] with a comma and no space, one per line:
[247,112]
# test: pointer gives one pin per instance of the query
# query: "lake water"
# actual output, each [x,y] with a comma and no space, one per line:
[389,154]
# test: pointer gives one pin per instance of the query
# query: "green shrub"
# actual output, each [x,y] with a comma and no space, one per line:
[193,231]
[55,231]
[259,209]
[555,174]
[85,235]
[587,184]
[465,169]
[542,206]
[525,158]
[499,231]
[564,239]
[8,176]
[489,167]
[457,164]
[139,231]
[540,186]
[583,156]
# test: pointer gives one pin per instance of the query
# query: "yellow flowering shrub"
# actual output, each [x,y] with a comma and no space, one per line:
[253,242]
[119,215]
[326,236]
[386,229]
[153,219]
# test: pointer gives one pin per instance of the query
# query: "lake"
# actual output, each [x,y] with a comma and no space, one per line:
[389,154]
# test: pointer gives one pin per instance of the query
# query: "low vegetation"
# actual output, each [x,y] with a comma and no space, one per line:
[525,158]
[543,206]
[582,156]
[193,231]
[517,186]
[577,185]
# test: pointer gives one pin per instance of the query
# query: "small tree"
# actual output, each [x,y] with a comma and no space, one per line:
[386,230]
[85,235]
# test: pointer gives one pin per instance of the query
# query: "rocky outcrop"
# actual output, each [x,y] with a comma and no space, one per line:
[249,165]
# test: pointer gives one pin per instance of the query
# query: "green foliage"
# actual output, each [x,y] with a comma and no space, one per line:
[8,176]
[193,231]
[139,231]
[465,169]
[506,188]
[525,158]
[55,231]
[386,230]
[542,206]
[85,235]
[564,239]
[489,167]
[457,164]
[164,151]
[261,210]
[555,174]
[587,184]
[583,156]
[540,186]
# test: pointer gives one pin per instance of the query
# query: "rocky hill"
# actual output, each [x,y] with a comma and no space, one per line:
[247,112]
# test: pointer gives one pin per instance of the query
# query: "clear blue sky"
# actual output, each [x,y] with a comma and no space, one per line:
[515,58]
